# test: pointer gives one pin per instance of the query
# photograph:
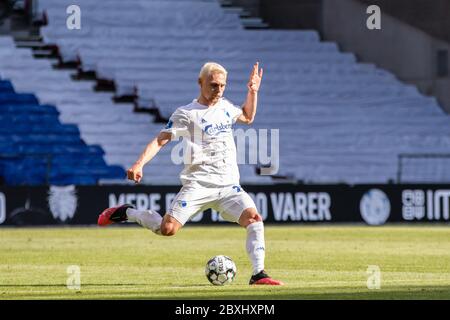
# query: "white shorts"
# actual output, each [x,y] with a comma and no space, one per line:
[229,201]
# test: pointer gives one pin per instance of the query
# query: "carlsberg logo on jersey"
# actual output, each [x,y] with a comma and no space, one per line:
[215,129]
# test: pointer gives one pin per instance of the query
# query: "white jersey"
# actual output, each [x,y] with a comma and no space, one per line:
[208,137]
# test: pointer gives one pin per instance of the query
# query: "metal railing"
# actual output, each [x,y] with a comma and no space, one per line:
[403,156]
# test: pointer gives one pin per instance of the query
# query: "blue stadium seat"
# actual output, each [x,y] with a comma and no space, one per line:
[29,118]
[38,129]
[21,170]
[78,160]
[37,149]
[74,179]
[16,98]
[27,109]
[6,87]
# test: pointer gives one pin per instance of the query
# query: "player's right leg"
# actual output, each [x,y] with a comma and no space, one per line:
[186,203]
[113,215]
[152,220]
[147,218]
[189,201]
[170,225]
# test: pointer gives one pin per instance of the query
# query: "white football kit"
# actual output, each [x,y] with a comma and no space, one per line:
[210,177]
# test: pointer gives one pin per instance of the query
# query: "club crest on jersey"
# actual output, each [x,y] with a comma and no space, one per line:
[237,188]
[169,124]
[182,203]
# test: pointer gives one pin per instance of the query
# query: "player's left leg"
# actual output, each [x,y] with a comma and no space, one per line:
[256,247]
[236,205]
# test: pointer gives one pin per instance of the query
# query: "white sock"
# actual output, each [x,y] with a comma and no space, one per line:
[147,218]
[255,245]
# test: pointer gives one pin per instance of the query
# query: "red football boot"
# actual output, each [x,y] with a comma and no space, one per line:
[113,215]
[263,278]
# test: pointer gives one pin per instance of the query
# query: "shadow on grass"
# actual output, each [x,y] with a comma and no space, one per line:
[279,293]
[64,285]
[191,285]
[258,293]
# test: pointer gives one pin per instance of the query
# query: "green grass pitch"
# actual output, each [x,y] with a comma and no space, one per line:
[315,262]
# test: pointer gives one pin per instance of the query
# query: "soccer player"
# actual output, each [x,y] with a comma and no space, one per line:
[211,178]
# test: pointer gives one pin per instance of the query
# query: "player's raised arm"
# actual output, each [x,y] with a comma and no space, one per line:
[135,172]
[250,104]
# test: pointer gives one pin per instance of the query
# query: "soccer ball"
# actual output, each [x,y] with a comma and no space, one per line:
[220,270]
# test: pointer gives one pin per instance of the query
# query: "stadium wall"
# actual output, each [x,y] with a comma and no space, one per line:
[278,204]
[251,6]
[410,53]
[429,16]
[292,14]
[413,42]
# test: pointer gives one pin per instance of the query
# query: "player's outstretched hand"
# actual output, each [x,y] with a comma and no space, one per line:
[255,78]
[135,173]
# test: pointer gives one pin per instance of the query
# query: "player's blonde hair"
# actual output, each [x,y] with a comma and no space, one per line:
[211,67]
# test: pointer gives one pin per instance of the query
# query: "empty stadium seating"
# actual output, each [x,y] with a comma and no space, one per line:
[339,120]
[35,147]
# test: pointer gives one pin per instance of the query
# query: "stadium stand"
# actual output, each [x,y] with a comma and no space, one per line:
[35,147]
[340,121]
